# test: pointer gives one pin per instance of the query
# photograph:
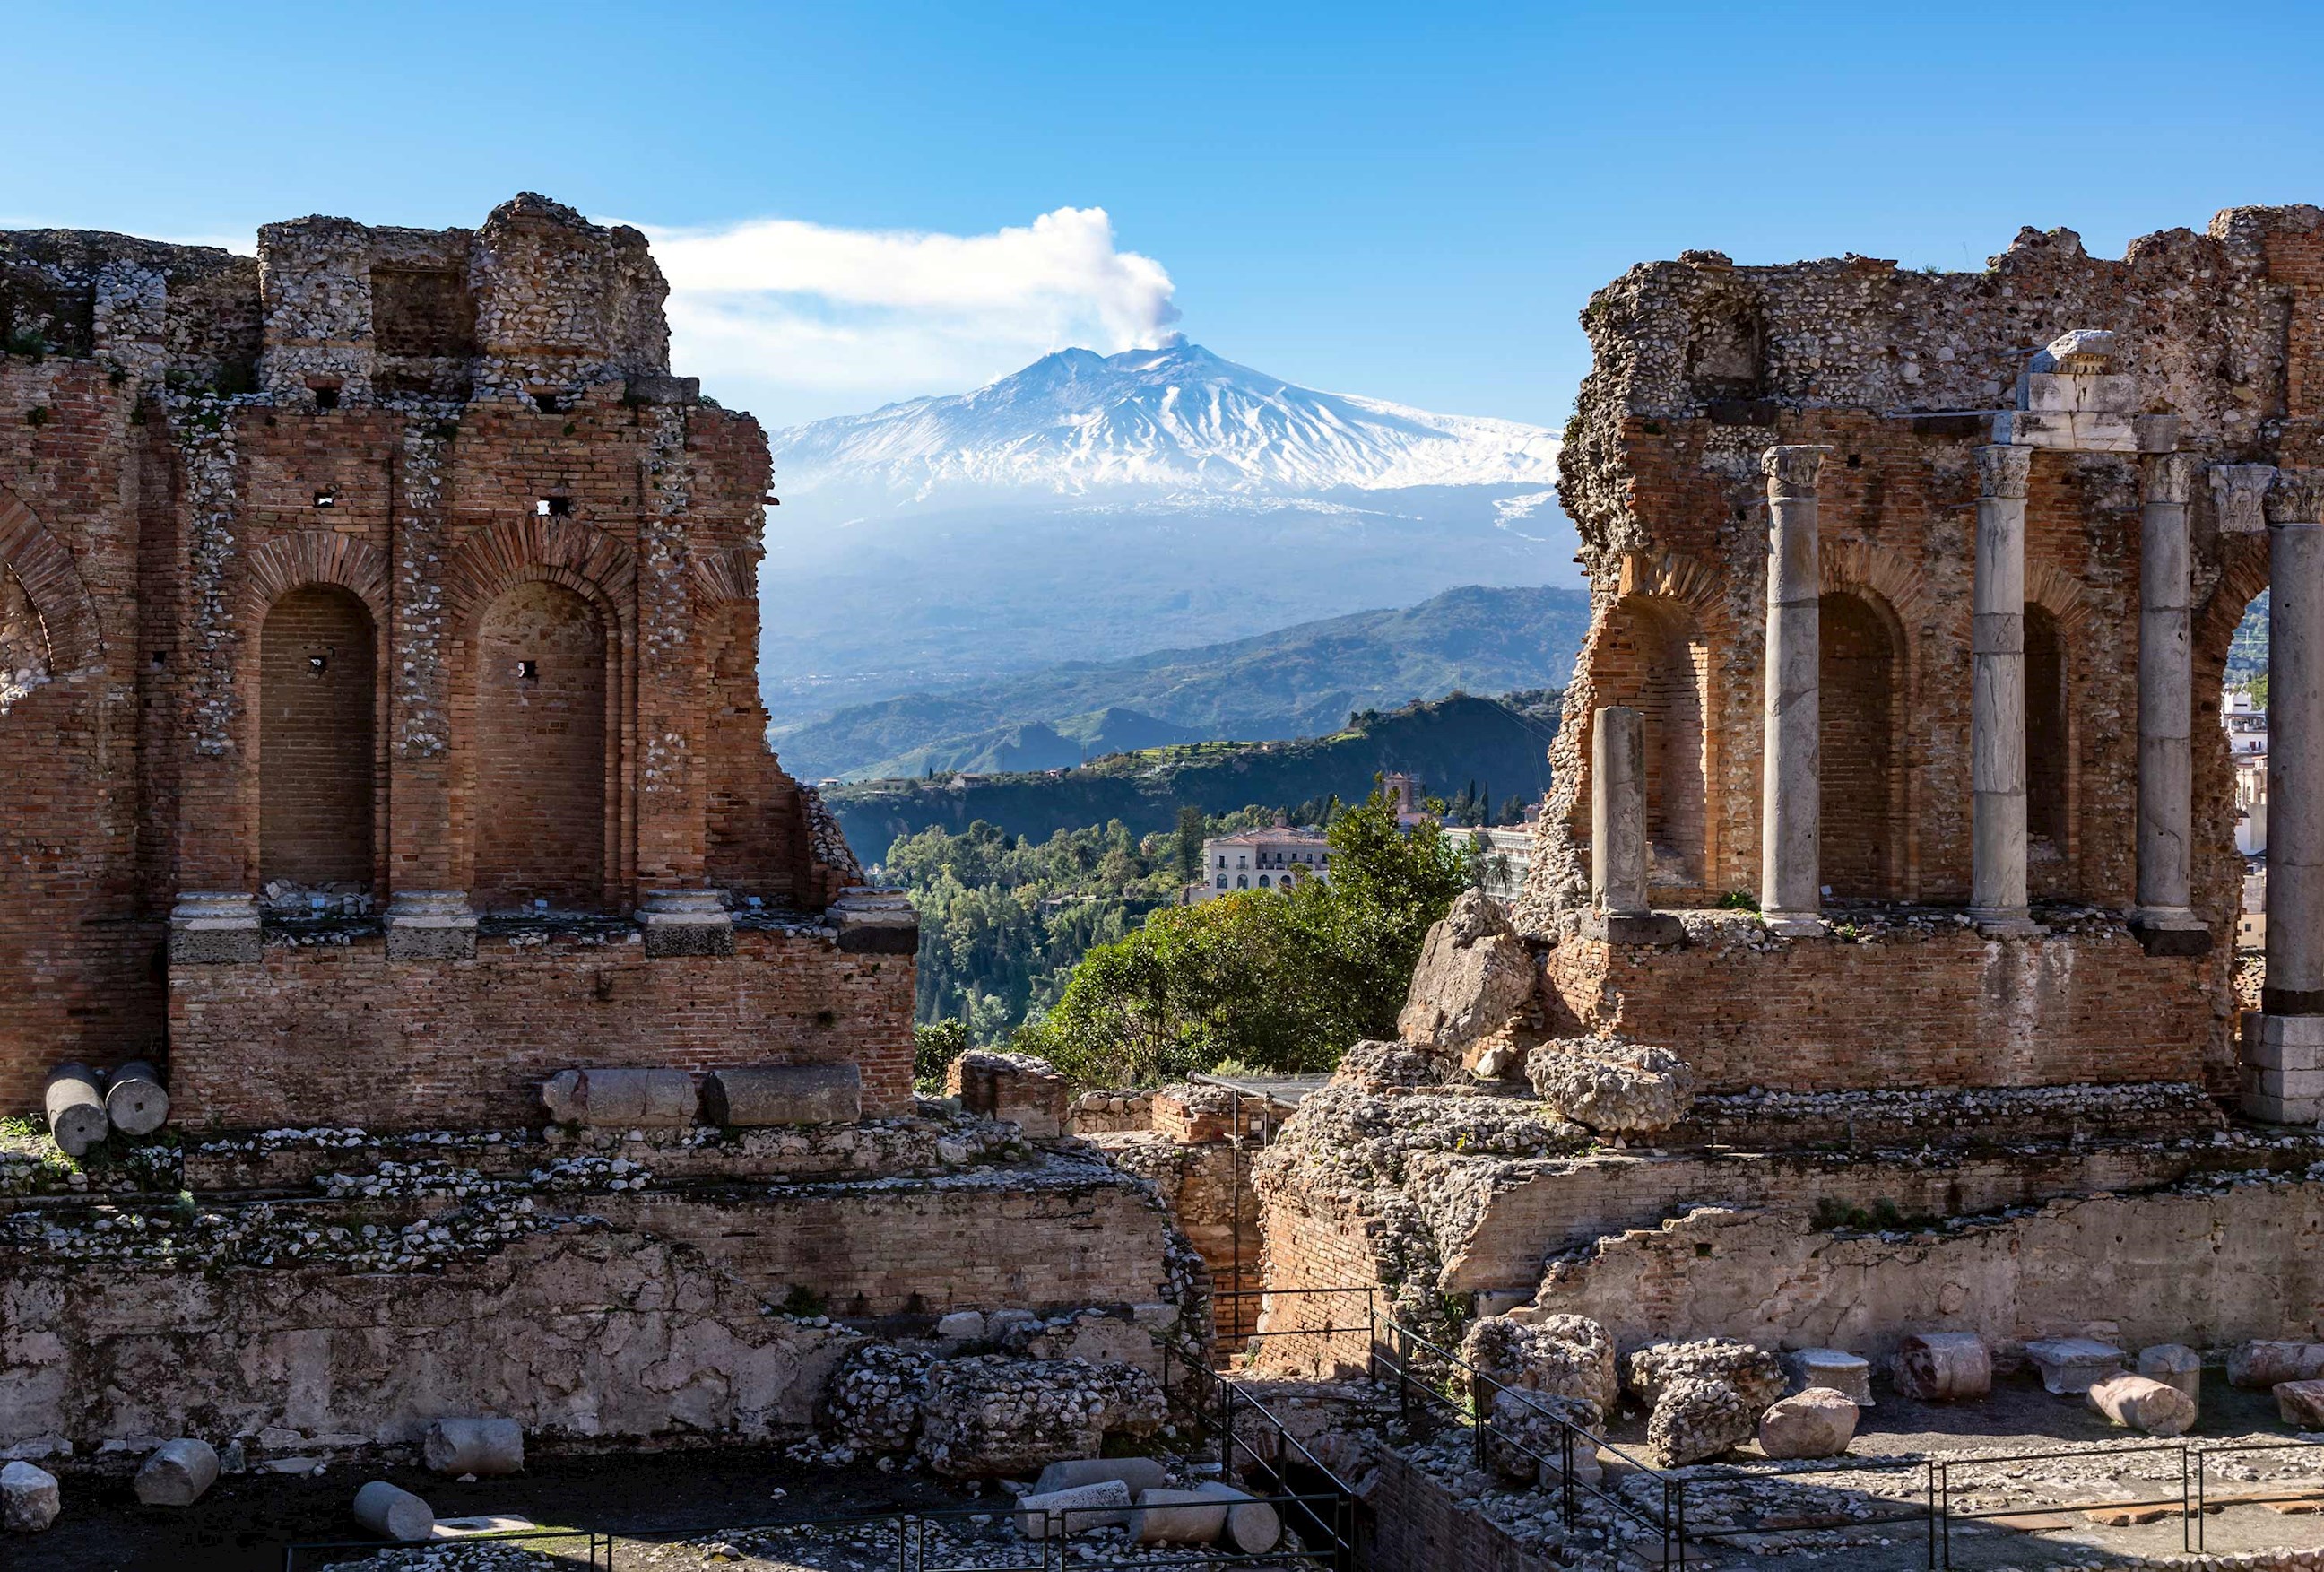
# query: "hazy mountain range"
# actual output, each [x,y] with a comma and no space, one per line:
[1093,507]
[1302,681]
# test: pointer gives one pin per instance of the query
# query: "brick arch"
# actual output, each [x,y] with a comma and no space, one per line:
[1677,576]
[1899,589]
[595,565]
[290,562]
[2059,593]
[44,567]
[725,575]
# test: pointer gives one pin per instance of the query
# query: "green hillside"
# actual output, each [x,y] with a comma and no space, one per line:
[1499,744]
[1297,681]
[1038,744]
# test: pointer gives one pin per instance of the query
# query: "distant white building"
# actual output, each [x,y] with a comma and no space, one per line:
[1275,858]
[1505,857]
[2246,727]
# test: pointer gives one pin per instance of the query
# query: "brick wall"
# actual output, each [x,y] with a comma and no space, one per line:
[336,1032]
[1935,1006]
[1858,772]
[540,760]
[316,689]
[158,534]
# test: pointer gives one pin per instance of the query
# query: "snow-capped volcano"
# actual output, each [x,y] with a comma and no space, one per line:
[1174,420]
[1092,505]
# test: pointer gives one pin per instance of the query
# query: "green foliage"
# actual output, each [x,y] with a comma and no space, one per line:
[1281,980]
[1003,919]
[934,1045]
[1503,744]
[1739,901]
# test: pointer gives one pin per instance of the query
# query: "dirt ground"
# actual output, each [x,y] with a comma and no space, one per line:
[246,1520]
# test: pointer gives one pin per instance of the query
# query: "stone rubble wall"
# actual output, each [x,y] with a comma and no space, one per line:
[2212,1262]
[584,1299]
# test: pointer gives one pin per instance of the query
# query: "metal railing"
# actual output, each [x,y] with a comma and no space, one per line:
[924,1541]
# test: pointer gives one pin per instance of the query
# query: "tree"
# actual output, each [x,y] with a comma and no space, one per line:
[1283,980]
[1189,843]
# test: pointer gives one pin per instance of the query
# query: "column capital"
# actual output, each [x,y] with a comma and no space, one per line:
[2296,497]
[2238,493]
[1792,470]
[2170,477]
[2003,470]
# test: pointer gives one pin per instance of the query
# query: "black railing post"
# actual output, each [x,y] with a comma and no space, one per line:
[1565,1453]
[2186,1534]
[1932,1515]
[1476,1414]
[1945,1511]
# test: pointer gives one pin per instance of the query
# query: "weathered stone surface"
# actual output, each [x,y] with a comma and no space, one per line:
[392,1514]
[2266,1363]
[1849,1374]
[29,1498]
[74,1104]
[1756,1373]
[1374,1066]
[1818,1422]
[993,1415]
[135,1103]
[874,1397]
[1253,1526]
[2069,1365]
[1567,1356]
[808,1093]
[1943,1366]
[961,1326]
[2140,1403]
[482,1445]
[1475,977]
[1022,1088]
[1527,1439]
[1135,1472]
[1177,1517]
[1611,1086]
[2300,1403]
[2173,1365]
[625,1099]
[1697,1417]
[1075,1509]
[177,1473]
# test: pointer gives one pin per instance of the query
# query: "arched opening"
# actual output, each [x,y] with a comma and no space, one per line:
[317,694]
[2049,750]
[24,642]
[1859,776]
[1652,657]
[537,807]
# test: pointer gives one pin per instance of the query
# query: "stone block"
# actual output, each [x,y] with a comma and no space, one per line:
[1136,1474]
[1253,1526]
[2069,1365]
[1020,1087]
[621,1099]
[1632,927]
[1073,1508]
[2173,1365]
[965,1326]
[1475,977]
[1833,1369]
[484,1445]
[177,1473]
[2300,1403]
[1609,1085]
[994,1415]
[1818,1422]
[1943,1366]
[806,1094]
[1699,1417]
[1177,1517]
[2268,1363]
[392,1514]
[2141,1403]
[686,923]
[215,930]
[28,1499]
[874,922]
[430,925]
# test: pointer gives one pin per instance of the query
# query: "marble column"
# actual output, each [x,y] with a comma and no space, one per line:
[2283,1047]
[1620,903]
[1617,811]
[1997,693]
[1790,792]
[2166,684]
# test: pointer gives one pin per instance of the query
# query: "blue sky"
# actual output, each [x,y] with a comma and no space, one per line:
[1409,201]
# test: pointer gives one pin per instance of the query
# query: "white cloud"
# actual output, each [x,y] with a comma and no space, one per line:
[796,321]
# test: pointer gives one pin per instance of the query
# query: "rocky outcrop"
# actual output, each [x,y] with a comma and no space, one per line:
[1605,1083]
[873,1401]
[1475,978]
